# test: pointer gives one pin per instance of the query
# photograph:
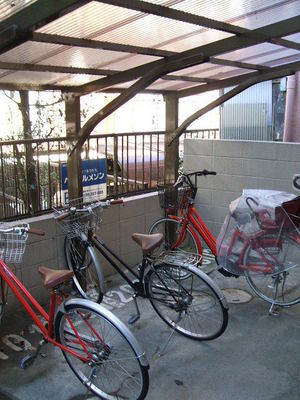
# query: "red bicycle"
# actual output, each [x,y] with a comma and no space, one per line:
[267,258]
[98,347]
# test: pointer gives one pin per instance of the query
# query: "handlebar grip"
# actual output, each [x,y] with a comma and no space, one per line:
[37,232]
[205,172]
[119,201]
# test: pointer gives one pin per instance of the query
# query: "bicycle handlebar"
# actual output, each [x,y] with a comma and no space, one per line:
[184,177]
[73,210]
[21,229]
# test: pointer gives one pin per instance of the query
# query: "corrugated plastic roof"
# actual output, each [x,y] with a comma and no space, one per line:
[72,43]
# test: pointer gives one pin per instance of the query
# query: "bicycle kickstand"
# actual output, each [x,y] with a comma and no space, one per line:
[274,310]
[29,359]
[162,353]
[137,316]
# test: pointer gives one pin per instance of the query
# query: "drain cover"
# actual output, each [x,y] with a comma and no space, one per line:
[234,296]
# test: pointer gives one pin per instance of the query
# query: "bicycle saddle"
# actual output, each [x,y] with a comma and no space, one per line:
[54,277]
[148,242]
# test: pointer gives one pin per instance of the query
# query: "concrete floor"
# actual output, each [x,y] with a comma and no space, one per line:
[257,358]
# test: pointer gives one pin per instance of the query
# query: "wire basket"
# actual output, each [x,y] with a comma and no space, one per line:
[13,244]
[172,198]
[80,218]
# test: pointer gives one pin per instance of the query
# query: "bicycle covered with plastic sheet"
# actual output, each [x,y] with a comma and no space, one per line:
[260,238]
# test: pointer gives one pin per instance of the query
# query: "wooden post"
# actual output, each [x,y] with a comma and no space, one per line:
[74,160]
[171,151]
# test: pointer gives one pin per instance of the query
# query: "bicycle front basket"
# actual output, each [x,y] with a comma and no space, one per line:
[76,223]
[172,198]
[13,244]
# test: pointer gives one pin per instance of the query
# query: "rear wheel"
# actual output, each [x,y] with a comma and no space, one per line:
[171,229]
[190,305]
[110,365]
[281,285]
[82,260]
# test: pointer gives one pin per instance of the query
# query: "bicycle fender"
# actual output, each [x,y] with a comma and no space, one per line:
[216,288]
[110,317]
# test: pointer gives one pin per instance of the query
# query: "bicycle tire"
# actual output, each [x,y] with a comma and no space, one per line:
[116,367]
[167,225]
[88,278]
[194,306]
[280,288]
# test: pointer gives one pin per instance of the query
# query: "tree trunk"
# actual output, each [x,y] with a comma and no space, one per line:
[32,200]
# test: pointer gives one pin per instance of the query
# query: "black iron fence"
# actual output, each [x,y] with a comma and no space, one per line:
[31,170]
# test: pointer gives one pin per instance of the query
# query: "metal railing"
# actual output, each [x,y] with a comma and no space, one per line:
[31,170]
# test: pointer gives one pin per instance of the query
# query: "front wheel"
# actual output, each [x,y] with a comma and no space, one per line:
[103,353]
[82,260]
[174,236]
[193,306]
[277,262]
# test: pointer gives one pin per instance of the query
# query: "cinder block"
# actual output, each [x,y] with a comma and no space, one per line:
[223,199]
[39,252]
[288,152]
[227,165]
[198,147]
[204,196]
[131,209]
[192,163]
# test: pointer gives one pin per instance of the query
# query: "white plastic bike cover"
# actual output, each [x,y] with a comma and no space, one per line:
[261,233]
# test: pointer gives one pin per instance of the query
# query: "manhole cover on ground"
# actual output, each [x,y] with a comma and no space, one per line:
[236,296]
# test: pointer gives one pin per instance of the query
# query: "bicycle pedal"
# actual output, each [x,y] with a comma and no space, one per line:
[27,361]
[133,319]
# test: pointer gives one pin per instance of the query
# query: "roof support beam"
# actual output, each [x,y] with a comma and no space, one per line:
[128,94]
[238,64]
[54,68]
[191,57]
[265,76]
[16,29]
[97,44]
[236,80]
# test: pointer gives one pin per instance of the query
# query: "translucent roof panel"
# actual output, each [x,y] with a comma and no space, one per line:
[197,38]
[93,19]
[9,7]
[36,78]
[294,38]
[252,53]
[148,31]
[30,52]
[79,79]
[85,57]
[249,14]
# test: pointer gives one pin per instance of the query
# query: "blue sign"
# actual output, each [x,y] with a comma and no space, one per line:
[93,173]
[93,180]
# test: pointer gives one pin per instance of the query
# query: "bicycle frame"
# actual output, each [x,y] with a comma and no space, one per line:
[25,298]
[196,225]
[107,252]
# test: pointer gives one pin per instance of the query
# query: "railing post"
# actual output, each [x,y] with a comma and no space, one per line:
[171,152]
[115,164]
[72,104]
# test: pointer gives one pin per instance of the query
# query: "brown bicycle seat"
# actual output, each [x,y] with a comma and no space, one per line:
[148,242]
[54,277]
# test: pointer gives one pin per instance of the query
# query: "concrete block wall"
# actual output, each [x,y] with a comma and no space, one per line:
[118,224]
[239,165]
